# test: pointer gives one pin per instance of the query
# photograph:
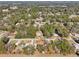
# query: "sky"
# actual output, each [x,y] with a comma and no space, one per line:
[39,0]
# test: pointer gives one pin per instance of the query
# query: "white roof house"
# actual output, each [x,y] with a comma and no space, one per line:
[55,34]
[39,33]
[17,43]
[38,22]
[4,18]
[35,25]
[39,12]
[58,13]
[14,7]
[39,19]
[17,24]
[28,9]
[73,16]
[29,15]
[8,15]
[5,10]
[51,14]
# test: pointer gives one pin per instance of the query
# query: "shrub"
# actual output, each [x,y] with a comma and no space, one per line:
[40,48]
[2,47]
[64,46]
[29,50]
[10,47]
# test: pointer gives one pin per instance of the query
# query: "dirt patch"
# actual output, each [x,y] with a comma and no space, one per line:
[41,55]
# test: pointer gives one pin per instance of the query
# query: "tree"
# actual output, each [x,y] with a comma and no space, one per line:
[31,31]
[47,30]
[64,46]
[62,31]
[5,40]
[2,47]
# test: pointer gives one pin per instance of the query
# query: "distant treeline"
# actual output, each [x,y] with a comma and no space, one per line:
[39,3]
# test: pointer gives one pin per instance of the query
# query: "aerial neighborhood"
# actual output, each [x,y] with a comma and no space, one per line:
[39,28]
